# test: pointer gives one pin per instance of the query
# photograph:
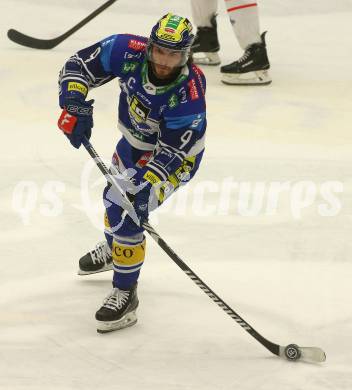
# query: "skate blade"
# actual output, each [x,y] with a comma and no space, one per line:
[107,267]
[206,58]
[259,77]
[127,320]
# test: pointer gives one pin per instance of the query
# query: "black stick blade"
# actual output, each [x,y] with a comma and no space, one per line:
[34,43]
[46,44]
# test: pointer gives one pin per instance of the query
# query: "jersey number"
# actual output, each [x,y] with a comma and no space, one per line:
[185,138]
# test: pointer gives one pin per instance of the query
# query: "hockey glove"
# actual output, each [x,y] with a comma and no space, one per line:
[140,201]
[76,120]
[141,204]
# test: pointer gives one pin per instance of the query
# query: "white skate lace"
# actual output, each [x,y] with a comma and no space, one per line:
[116,299]
[245,56]
[101,253]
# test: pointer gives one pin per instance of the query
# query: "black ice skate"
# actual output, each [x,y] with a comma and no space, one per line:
[206,45]
[97,260]
[118,310]
[250,69]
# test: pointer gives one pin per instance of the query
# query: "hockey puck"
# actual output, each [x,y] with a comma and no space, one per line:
[292,352]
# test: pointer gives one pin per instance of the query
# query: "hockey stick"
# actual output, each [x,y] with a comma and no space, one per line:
[291,352]
[45,44]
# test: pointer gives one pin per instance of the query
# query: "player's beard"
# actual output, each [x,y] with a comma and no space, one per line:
[163,72]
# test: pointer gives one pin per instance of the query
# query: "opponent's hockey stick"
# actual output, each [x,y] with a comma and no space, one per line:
[45,44]
[291,352]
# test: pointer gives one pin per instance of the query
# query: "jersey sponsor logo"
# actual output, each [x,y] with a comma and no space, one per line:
[173,101]
[180,176]
[193,89]
[199,73]
[138,135]
[129,67]
[74,86]
[127,255]
[151,177]
[144,98]
[183,173]
[107,41]
[164,191]
[129,56]
[197,70]
[136,45]
[138,110]
[183,93]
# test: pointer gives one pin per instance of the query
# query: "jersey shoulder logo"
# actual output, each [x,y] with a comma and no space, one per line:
[136,45]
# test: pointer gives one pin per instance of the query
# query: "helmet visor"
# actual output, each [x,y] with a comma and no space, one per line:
[167,57]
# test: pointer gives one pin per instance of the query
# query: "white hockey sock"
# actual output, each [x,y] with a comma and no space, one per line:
[202,11]
[244,18]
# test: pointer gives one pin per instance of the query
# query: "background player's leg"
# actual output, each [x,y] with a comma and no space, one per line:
[252,67]
[202,11]
[206,45]
[244,19]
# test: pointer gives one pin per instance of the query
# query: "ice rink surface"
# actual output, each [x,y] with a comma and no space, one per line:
[287,271]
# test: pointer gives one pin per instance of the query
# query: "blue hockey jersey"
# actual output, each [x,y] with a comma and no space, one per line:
[169,120]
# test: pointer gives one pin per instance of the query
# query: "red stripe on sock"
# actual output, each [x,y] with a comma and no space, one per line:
[241,6]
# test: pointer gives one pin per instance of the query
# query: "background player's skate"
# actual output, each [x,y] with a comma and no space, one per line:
[206,46]
[250,69]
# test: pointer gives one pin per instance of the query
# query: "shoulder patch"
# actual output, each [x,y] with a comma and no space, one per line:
[136,44]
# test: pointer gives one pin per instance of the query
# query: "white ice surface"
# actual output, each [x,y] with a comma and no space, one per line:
[290,278]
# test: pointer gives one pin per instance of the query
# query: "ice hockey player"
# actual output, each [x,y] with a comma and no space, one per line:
[161,114]
[252,68]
